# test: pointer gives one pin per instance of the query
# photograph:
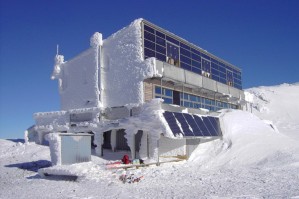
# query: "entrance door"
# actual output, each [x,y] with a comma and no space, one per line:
[176,98]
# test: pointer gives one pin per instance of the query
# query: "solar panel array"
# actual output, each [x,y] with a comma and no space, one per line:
[192,125]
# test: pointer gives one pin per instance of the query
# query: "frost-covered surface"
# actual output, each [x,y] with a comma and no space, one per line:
[124,67]
[78,83]
[252,161]
[243,144]
[55,148]
[110,73]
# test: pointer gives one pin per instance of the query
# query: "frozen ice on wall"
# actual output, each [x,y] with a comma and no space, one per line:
[96,40]
[54,144]
[58,60]
[79,82]
[107,76]
[124,66]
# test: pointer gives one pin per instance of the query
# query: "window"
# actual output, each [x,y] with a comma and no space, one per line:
[168,48]
[164,93]
[206,68]
[167,92]
[229,78]
[190,101]
[158,90]
[172,54]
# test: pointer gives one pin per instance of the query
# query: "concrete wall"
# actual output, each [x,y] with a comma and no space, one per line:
[190,79]
[172,147]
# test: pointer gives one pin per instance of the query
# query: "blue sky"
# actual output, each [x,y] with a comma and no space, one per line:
[261,37]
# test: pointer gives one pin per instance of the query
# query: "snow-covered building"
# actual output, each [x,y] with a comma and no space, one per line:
[144,89]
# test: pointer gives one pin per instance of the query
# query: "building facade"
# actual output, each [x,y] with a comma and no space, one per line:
[216,85]
[144,86]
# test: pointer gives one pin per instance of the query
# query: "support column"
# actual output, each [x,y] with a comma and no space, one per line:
[132,147]
[113,139]
[98,140]
[144,146]
[153,147]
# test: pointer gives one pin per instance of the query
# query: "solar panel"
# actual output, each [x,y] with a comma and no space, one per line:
[172,123]
[196,130]
[192,125]
[185,127]
[200,123]
[209,126]
[215,123]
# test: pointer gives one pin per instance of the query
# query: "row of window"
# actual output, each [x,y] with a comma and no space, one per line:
[191,101]
[168,49]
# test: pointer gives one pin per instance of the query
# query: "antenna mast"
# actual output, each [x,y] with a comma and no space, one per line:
[57,49]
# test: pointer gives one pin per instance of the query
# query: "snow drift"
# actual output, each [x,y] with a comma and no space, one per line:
[247,140]
[267,137]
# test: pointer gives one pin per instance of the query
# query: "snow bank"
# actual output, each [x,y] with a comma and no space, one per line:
[278,104]
[247,140]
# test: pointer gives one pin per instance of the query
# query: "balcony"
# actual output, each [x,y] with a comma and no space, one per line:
[196,81]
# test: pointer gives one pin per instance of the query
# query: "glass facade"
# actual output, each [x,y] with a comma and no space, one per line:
[192,101]
[164,93]
[167,48]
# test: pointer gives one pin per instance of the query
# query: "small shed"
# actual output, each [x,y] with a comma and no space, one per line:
[70,148]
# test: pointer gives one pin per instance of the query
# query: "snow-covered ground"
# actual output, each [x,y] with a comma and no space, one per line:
[253,160]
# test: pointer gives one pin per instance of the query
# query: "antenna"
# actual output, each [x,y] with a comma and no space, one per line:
[57,49]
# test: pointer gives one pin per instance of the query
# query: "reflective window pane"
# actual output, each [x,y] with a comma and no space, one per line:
[196,70]
[195,57]
[149,29]
[161,57]
[172,51]
[172,40]
[149,53]
[185,66]
[158,90]
[196,64]
[149,44]
[167,92]
[160,41]
[161,49]
[185,46]
[160,34]
[167,100]
[149,36]
[185,59]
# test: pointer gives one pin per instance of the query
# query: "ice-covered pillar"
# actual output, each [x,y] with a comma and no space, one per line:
[130,136]
[113,139]
[55,148]
[133,147]
[153,146]
[98,140]
[96,42]
[41,136]
[143,151]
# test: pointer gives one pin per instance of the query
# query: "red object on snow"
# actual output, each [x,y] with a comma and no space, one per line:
[126,159]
